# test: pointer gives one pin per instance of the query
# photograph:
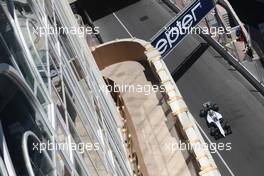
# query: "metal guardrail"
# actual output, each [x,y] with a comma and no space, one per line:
[226,55]
[181,113]
[235,63]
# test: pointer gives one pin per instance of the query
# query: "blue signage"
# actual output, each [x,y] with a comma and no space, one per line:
[178,28]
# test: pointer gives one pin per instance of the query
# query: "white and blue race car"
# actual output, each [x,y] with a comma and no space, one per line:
[218,126]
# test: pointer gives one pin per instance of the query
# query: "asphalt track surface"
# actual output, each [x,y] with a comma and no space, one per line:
[210,78]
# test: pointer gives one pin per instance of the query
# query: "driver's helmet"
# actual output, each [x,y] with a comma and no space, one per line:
[211,112]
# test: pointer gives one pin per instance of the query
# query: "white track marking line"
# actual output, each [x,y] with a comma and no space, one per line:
[122,24]
[219,155]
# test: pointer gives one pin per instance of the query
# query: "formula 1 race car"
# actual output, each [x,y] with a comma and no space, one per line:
[218,126]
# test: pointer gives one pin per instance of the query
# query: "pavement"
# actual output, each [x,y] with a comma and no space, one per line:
[151,131]
[210,78]
[255,68]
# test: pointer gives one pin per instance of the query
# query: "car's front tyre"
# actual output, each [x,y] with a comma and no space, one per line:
[203,113]
[214,132]
[215,107]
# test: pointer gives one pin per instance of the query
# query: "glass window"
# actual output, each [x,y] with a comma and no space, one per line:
[35,37]
[78,166]
[99,115]
[76,67]
[6,56]
[61,168]
[37,46]
[62,136]
[3,171]
[17,53]
[11,41]
[40,162]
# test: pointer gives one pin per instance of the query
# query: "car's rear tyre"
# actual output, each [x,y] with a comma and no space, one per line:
[227,128]
[226,125]
[229,131]
[217,136]
[212,131]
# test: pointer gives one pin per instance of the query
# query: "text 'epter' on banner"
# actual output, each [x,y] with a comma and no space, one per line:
[177,29]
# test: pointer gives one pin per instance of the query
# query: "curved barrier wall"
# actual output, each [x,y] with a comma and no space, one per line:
[133,49]
[118,51]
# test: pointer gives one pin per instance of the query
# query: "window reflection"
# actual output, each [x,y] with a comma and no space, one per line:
[10,40]
[36,42]
[37,47]
[3,171]
[37,161]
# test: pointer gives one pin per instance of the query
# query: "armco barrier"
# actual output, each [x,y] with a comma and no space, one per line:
[181,113]
[225,54]
[235,63]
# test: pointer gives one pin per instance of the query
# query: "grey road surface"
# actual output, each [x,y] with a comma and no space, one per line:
[210,78]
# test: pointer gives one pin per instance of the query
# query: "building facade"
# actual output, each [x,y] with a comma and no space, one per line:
[55,117]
